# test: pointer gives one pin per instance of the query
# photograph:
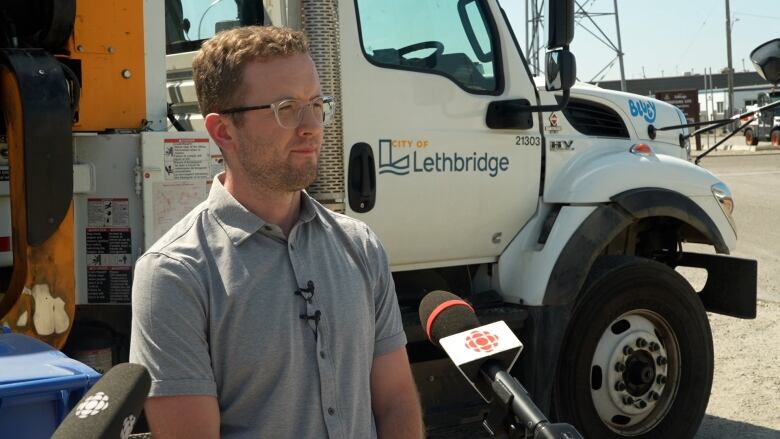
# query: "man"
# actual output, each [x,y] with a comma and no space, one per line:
[262,314]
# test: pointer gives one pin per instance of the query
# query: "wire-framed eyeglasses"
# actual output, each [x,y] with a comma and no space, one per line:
[289,112]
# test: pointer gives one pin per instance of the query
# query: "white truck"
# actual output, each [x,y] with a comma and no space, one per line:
[559,208]
[766,124]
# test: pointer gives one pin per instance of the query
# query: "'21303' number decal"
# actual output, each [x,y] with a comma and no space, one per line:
[528,141]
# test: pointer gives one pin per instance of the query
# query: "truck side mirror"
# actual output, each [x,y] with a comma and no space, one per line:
[766,60]
[561,70]
[561,23]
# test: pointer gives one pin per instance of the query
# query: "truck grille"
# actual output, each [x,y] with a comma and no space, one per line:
[594,119]
[320,22]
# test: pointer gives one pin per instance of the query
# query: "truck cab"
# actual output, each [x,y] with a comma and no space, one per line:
[556,206]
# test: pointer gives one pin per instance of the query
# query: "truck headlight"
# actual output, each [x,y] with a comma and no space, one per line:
[722,193]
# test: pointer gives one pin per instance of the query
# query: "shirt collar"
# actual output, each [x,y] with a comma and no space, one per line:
[238,222]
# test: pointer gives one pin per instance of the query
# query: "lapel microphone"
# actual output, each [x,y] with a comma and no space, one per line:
[307,294]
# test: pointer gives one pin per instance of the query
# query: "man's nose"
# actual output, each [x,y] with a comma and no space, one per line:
[310,123]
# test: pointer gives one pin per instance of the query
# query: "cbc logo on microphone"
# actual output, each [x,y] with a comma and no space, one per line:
[481,341]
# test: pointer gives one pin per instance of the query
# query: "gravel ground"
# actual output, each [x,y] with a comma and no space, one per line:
[745,399]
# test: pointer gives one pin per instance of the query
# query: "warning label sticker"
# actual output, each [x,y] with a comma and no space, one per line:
[187,159]
[109,250]
[109,285]
[109,263]
[108,212]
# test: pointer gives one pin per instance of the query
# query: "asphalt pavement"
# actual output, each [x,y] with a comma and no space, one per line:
[746,387]
[754,178]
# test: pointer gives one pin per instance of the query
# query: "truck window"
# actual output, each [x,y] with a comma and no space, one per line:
[452,39]
[190,22]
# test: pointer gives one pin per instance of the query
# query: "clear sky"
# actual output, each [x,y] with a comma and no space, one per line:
[666,37]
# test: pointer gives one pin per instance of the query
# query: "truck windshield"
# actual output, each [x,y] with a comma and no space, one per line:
[189,22]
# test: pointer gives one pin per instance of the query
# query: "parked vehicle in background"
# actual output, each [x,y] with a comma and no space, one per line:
[766,125]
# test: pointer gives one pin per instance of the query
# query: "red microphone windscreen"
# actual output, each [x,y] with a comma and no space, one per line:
[443,314]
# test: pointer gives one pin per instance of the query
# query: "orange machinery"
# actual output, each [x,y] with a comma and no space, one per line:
[66,66]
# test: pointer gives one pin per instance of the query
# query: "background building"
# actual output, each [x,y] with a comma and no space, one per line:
[713,101]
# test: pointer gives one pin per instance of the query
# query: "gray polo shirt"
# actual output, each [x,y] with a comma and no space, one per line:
[215,312]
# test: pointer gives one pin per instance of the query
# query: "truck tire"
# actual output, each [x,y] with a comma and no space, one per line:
[750,138]
[637,360]
[774,137]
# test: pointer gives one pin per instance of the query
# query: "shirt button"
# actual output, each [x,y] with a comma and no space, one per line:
[267,228]
[322,354]
[331,411]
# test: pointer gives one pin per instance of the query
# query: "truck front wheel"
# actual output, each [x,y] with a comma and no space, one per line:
[750,138]
[638,358]
[774,137]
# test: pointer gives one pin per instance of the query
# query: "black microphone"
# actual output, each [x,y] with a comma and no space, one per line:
[111,407]
[484,354]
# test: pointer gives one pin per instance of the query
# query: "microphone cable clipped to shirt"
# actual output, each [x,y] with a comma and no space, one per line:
[307,294]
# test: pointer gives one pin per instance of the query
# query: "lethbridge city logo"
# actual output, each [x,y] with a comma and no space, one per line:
[646,109]
[400,157]
[481,341]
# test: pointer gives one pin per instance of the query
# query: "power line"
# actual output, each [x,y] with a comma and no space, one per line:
[696,35]
[756,15]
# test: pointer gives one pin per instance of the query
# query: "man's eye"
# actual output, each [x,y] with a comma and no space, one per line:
[287,108]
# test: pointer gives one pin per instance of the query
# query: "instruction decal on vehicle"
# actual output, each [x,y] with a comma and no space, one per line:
[172,201]
[414,157]
[644,109]
[109,250]
[187,159]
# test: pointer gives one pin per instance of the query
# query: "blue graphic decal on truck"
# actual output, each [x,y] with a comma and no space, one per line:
[646,109]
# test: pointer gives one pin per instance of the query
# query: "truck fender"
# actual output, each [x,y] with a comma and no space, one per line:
[573,265]
[596,176]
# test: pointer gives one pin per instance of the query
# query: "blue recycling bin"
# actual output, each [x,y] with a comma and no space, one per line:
[39,385]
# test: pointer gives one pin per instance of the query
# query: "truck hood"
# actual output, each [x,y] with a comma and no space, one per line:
[637,112]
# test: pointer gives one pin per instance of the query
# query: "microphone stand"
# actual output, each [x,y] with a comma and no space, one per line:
[514,413]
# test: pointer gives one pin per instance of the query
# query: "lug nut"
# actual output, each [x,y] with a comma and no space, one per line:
[627,350]
[620,386]
[654,346]
[627,400]
[641,342]
[660,361]
[654,395]
[641,404]
[661,379]
[620,367]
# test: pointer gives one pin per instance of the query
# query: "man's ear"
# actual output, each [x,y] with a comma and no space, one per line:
[221,130]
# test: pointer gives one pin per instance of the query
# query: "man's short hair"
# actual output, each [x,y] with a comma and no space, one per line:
[218,68]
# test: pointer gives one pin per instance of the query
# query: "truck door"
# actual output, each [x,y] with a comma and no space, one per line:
[417,79]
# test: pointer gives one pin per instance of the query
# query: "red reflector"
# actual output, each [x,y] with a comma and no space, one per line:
[5,243]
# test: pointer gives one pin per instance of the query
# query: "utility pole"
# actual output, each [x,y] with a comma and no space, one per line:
[730,73]
[620,51]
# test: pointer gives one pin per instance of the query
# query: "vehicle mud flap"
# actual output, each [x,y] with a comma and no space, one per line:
[39,299]
[731,283]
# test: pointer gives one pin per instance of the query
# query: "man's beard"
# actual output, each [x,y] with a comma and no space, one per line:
[277,177]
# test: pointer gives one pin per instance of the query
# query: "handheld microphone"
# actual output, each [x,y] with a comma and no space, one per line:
[484,354]
[451,324]
[111,407]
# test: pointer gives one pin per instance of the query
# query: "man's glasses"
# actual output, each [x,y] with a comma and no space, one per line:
[289,112]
